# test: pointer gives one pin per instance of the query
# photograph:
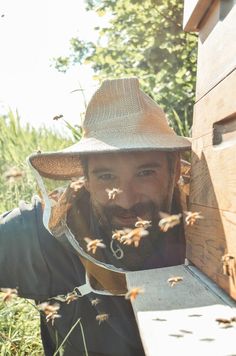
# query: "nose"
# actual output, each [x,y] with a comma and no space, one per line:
[128,197]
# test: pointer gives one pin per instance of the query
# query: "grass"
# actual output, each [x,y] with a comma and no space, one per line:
[16,143]
[19,320]
[19,329]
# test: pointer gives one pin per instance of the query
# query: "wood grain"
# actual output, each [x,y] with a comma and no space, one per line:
[218,104]
[213,174]
[208,240]
[216,50]
[194,10]
[213,178]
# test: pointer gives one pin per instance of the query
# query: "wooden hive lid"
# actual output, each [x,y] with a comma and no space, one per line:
[194,11]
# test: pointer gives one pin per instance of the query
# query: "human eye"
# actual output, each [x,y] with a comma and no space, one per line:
[146,172]
[106,177]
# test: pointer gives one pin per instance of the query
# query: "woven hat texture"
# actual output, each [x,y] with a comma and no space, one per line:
[120,117]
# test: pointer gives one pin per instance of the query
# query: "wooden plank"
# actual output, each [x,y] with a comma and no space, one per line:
[210,239]
[210,20]
[216,49]
[159,295]
[218,104]
[187,332]
[194,10]
[181,319]
[213,183]
[213,177]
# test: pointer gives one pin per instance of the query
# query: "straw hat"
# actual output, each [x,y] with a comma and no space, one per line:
[120,117]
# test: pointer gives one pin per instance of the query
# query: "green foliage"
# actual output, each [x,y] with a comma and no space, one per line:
[19,321]
[144,39]
[19,329]
[181,125]
[75,130]
[16,143]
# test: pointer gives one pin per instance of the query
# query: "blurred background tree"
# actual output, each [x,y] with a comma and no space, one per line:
[144,39]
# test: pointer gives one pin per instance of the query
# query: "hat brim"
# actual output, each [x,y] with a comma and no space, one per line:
[65,164]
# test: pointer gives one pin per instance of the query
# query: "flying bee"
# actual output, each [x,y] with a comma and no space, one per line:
[95,301]
[57,117]
[185,167]
[134,236]
[184,180]
[9,294]
[173,280]
[117,234]
[168,221]
[133,293]
[223,321]
[92,245]
[228,263]
[102,317]
[191,217]
[77,183]
[71,297]
[143,223]
[50,310]
[226,323]
[112,193]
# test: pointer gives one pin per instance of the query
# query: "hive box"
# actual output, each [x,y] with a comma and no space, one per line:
[211,243]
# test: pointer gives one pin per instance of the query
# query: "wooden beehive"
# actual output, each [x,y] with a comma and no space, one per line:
[213,178]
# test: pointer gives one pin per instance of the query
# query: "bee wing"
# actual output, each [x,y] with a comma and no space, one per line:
[56,306]
[187,212]
[163,215]
[144,232]
[101,244]
[87,239]
[126,230]
[42,306]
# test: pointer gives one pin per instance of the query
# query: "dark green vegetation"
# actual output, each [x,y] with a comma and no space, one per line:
[145,39]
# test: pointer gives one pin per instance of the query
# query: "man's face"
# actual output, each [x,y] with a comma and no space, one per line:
[142,177]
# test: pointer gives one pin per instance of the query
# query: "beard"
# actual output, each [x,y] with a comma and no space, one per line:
[151,249]
[134,257]
[107,216]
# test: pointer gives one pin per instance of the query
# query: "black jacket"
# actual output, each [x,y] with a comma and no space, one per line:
[40,267]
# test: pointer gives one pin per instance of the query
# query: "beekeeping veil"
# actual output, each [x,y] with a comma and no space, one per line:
[120,118]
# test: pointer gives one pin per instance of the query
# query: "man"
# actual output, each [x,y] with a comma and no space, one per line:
[75,248]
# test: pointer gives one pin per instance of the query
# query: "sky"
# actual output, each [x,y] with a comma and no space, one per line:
[32,32]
